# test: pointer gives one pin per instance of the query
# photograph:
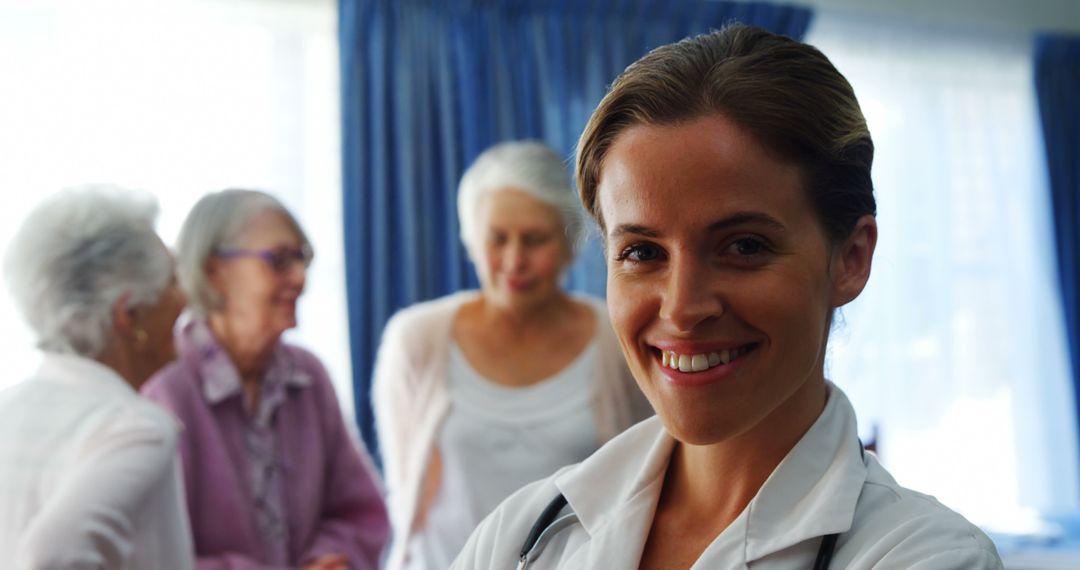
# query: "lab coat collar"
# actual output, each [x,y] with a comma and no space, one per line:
[811,493]
[814,489]
[596,491]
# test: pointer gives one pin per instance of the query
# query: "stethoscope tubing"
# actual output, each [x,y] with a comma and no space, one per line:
[549,523]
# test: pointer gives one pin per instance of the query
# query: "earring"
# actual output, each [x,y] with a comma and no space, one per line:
[141,339]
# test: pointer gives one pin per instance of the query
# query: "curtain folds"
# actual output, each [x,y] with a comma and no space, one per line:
[429,84]
[1057,84]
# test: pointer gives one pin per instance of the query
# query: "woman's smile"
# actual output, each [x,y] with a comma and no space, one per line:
[697,364]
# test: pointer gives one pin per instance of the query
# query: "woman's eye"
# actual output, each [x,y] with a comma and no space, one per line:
[279,261]
[642,252]
[748,247]
[532,240]
[282,259]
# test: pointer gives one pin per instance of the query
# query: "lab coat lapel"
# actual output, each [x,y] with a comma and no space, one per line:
[617,512]
[619,542]
[814,490]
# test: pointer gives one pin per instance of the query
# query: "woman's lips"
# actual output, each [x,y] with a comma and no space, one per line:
[697,367]
[518,284]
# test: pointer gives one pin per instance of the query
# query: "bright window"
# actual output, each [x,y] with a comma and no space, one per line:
[955,352]
[179,98]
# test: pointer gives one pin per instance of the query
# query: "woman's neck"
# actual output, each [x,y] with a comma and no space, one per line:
[250,353]
[121,359]
[714,483]
[522,320]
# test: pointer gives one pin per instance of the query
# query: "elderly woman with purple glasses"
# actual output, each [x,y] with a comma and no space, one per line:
[273,477]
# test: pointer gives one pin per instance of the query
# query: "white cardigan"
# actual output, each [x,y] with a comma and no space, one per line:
[89,476]
[411,400]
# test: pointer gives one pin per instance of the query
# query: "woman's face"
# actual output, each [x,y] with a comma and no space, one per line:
[520,250]
[156,322]
[717,263]
[259,301]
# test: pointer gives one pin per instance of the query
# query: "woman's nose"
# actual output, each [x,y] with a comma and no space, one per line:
[296,273]
[514,256]
[688,296]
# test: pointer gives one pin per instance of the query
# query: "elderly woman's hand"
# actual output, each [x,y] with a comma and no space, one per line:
[328,562]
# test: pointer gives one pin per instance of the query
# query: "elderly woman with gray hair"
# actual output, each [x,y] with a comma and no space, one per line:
[88,476]
[481,392]
[273,477]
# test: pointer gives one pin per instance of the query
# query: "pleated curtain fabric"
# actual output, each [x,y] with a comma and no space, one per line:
[427,85]
[1057,87]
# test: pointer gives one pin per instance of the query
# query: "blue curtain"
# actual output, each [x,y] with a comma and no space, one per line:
[429,84]
[1057,84]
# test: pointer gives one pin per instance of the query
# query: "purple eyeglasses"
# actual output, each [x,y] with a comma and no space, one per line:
[280,259]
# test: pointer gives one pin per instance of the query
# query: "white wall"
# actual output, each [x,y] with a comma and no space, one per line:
[988,15]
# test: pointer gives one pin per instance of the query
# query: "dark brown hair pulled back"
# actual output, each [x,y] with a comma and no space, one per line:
[785,93]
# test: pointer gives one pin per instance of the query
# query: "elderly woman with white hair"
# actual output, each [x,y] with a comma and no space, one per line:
[481,392]
[88,476]
[273,477]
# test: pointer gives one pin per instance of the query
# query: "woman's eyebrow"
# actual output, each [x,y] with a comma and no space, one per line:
[742,218]
[736,219]
[636,229]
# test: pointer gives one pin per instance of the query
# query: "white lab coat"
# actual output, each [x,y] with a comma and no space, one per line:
[825,485]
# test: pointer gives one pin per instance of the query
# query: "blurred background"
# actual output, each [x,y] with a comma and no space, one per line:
[361,116]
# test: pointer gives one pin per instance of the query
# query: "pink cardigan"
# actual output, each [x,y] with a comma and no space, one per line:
[410,399]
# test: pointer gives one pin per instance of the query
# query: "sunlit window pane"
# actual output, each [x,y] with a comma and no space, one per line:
[179,98]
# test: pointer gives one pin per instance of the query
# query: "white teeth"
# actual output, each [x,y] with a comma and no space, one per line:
[699,362]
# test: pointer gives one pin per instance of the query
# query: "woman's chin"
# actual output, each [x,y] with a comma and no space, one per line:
[283,325]
[285,318]
[273,328]
[699,424]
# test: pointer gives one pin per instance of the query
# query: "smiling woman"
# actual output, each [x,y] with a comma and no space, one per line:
[730,177]
[272,476]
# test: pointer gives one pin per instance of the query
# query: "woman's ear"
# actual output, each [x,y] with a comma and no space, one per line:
[213,270]
[851,261]
[123,315]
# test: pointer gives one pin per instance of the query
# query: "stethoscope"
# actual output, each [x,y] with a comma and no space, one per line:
[550,522]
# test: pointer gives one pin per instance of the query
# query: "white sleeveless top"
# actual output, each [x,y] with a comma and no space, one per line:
[495,440]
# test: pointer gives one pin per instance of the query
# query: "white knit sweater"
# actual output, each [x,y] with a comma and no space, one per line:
[410,399]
